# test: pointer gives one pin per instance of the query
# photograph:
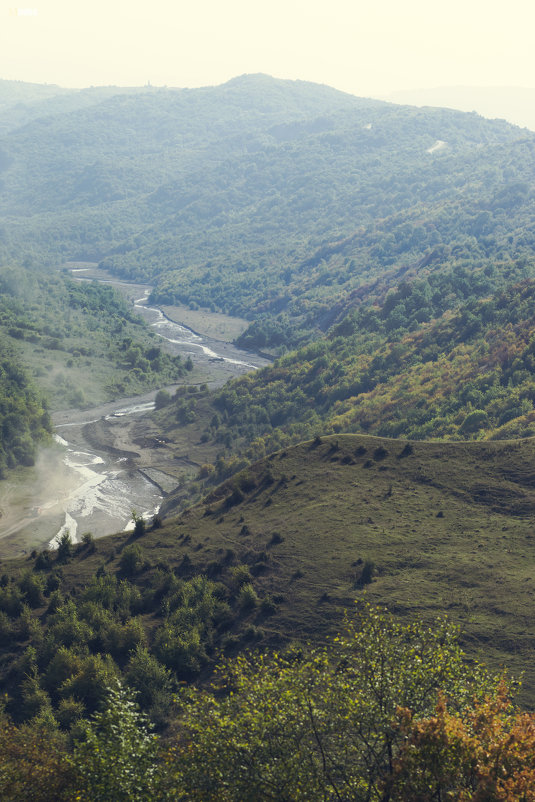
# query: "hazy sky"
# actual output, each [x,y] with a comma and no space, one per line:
[367,48]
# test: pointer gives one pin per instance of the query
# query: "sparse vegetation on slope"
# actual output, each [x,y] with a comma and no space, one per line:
[81,341]
[274,554]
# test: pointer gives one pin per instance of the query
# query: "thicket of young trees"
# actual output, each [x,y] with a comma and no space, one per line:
[145,624]
[387,711]
[24,418]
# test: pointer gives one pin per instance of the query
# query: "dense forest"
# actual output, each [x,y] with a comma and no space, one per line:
[24,418]
[263,198]
[466,374]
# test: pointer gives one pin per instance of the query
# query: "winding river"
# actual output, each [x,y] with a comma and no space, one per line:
[79,488]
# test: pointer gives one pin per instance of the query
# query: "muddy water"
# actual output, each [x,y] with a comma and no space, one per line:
[78,488]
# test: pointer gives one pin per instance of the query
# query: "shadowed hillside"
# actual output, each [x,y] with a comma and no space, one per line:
[284,548]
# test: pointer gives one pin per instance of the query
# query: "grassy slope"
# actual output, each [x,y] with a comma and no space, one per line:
[448,525]
[335,506]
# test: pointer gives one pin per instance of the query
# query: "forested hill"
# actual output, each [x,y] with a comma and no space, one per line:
[449,357]
[388,254]
[276,200]
[66,344]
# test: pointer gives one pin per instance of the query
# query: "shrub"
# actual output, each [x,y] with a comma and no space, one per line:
[34,764]
[132,560]
[88,541]
[240,575]
[366,575]
[33,585]
[43,560]
[162,399]
[140,527]
[149,679]
[64,547]
[268,606]
[116,753]
[474,421]
[406,451]
[247,597]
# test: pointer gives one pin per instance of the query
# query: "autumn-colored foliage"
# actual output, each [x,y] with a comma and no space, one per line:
[34,764]
[484,753]
[389,713]
[463,374]
[320,726]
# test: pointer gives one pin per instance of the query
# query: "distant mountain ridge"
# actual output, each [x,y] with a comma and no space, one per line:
[512,103]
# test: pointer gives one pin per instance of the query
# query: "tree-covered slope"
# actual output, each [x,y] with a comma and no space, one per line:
[449,357]
[263,197]
[65,343]
[80,341]
[330,216]
[24,418]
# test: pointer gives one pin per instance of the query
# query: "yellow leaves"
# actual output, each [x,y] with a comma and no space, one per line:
[485,751]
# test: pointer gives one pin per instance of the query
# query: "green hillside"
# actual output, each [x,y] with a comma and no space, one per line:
[81,342]
[412,367]
[24,419]
[273,200]
[274,556]
[386,255]
[66,344]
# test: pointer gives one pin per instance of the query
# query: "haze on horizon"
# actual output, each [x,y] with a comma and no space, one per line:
[366,50]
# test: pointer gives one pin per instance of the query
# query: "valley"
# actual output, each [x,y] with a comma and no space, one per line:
[110,459]
[268,357]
